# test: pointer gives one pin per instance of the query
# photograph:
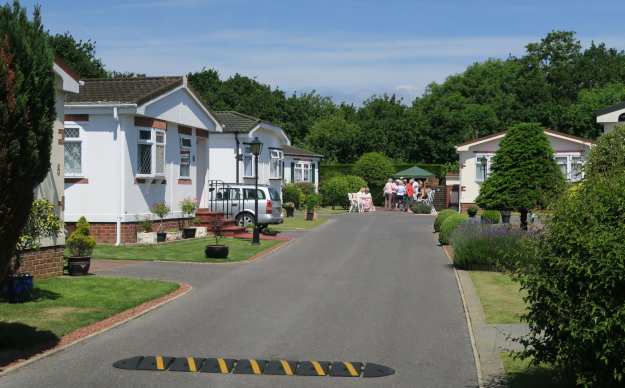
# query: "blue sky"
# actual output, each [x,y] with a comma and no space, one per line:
[347,49]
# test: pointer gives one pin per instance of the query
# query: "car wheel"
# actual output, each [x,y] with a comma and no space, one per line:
[245,219]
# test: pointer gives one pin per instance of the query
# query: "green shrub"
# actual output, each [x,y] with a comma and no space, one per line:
[334,191]
[160,209]
[291,192]
[607,156]
[472,211]
[490,216]
[80,243]
[441,217]
[449,225]
[420,208]
[312,201]
[307,188]
[575,283]
[188,206]
[484,246]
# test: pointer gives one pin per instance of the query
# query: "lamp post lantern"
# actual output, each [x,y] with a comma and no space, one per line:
[256,147]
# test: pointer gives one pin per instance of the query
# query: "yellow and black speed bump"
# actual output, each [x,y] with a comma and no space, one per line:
[255,367]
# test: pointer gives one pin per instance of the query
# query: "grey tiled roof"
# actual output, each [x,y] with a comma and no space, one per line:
[290,150]
[123,90]
[236,122]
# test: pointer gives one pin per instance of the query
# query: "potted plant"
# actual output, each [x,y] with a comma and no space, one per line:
[290,209]
[505,216]
[160,209]
[145,235]
[270,232]
[472,211]
[80,245]
[42,222]
[311,203]
[188,207]
[217,251]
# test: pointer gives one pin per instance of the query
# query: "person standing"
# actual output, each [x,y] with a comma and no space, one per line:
[415,189]
[401,194]
[388,194]
[409,192]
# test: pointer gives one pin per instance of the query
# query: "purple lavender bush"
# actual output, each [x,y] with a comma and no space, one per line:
[488,246]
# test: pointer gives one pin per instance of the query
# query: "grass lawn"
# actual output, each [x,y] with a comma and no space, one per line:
[500,296]
[520,375]
[183,250]
[298,221]
[64,304]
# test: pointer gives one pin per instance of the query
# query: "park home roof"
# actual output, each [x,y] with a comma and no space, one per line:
[123,90]
[294,151]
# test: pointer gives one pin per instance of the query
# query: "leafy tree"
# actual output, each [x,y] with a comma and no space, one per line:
[335,138]
[334,191]
[302,111]
[579,118]
[607,157]
[524,173]
[375,168]
[27,114]
[79,55]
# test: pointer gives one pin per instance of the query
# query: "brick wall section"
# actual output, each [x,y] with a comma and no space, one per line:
[43,263]
[106,232]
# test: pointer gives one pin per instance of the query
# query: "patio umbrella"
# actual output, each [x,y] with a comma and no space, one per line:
[413,172]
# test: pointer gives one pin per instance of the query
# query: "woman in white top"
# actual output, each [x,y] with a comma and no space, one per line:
[388,194]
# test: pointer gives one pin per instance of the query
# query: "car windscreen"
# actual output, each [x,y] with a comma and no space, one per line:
[274,194]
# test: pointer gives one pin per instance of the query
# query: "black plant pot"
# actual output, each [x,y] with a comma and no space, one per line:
[269,232]
[161,236]
[19,288]
[78,265]
[310,216]
[188,233]
[216,251]
[505,216]
[290,211]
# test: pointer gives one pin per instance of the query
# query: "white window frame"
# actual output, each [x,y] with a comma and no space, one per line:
[153,145]
[247,154]
[569,164]
[478,165]
[303,166]
[184,148]
[275,156]
[78,140]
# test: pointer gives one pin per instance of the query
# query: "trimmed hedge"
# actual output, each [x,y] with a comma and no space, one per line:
[441,217]
[490,216]
[449,225]
[327,171]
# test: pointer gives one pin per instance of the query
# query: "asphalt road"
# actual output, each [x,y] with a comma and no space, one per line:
[361,288]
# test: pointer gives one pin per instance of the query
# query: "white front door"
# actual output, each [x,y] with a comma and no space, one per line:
[202,172]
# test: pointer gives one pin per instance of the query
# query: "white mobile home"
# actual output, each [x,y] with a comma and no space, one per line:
[301,165]
[476,159]
[130,143]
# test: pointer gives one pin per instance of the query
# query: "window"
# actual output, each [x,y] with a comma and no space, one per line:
[302,172]
[275,166]
[151,152]
[249,194]
[73,151]
[248,162]
[185,156]
[483,164]
[571,166]
[227,194]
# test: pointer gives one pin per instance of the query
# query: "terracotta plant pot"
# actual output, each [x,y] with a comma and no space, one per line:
[216,251]
[78,265]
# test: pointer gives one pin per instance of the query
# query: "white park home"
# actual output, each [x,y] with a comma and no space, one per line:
[133,142]
[301,165]
[476,159]
[611,116]
[130,143]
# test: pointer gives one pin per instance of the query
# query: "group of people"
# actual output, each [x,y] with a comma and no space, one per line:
[401,193]
[364,200]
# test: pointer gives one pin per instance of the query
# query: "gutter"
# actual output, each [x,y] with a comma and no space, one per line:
[122,181]
[238,157]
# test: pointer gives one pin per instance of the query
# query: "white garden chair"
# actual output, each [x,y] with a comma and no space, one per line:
[430,199]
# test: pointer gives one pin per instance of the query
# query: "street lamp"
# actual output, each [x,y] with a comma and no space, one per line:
[255,148]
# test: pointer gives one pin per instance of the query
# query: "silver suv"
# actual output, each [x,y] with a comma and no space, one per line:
[239,198]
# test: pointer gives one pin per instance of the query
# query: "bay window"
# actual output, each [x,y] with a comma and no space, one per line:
[72,151]
[571,166]
[151,152]
[276,157]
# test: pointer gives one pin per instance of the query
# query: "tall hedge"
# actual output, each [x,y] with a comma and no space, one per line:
[26,118]
[334,191]
[524,174]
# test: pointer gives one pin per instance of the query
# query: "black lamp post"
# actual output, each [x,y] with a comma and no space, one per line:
[256,147]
